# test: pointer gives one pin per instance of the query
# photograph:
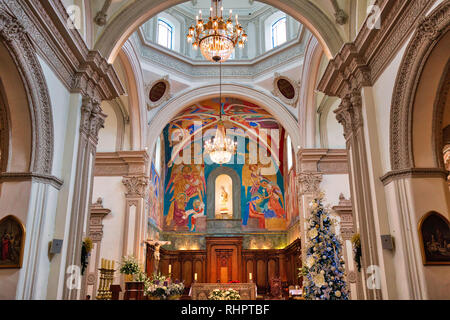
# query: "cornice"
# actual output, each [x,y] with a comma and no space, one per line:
[413,173]
[33,177]
[79,69]
[361,62]
[325,161]
[175,62]
[121,163]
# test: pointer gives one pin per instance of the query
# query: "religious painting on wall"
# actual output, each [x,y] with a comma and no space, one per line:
[185,192]
[155,198]
[434,232]
[257,161]
[12,237]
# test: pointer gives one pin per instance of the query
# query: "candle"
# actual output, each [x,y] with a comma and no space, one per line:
[170,268]
[112,267]
[250,276]
[195,277]
[103,263]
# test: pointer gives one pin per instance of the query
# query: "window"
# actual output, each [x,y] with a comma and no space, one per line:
[290,159]
[279,32]
[165,34]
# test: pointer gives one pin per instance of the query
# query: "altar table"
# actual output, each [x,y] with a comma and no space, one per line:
[201,291]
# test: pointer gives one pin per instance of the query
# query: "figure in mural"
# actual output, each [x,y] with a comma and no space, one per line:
[187,186]
[196,212]
[275,197]
[255,211]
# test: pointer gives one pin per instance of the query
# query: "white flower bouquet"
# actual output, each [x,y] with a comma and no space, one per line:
[229,294]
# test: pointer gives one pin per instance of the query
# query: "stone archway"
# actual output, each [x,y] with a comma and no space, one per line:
[429,34]
[15,38]
[130,18]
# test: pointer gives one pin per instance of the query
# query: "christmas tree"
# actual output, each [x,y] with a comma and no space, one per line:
[323,272]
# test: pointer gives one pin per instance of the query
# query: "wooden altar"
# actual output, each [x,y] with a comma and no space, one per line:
[201,291]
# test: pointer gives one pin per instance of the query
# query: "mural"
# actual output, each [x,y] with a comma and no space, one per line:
[257,163]
[155,199]
[292,207]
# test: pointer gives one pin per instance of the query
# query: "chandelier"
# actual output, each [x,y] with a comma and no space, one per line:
[220,148]
[216,38]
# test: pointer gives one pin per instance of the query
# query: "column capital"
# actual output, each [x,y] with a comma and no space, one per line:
[98,212]
[349,113]
[136,186]
[309,182]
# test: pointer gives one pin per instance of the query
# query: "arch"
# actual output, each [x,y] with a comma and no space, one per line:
[136,95]
[135,14]
[184,99]
[430,32]
[211,191]
[16,40]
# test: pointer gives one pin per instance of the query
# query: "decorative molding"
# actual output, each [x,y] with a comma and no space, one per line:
[277,93]
[92,119]
[309,182]
[345,211]
[340,15]
[166,96]
[349,113]
[122,163]
[361,62]
[31,176]
[413,173]
[427,35]
[325,161]
[17,40]
[136,186]
[98,212]
[102,16]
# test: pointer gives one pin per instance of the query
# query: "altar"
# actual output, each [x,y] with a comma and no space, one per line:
[201,291]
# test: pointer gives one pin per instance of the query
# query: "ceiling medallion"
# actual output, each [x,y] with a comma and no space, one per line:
[216,38]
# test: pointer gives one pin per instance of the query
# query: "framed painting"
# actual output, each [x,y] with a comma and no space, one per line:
[434,234]
[12,241]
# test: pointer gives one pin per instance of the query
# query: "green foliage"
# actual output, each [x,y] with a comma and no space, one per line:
[129,266]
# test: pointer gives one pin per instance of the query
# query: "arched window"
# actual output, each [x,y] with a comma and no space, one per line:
[165,34]
[290,158]
[279,32]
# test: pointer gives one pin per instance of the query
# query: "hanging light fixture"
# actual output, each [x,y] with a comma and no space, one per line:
[220,148]
[216,38]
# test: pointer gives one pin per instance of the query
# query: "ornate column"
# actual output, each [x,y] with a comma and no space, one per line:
[92,119]
[137,188]
[98,212]
[308,184]
[347,230]
[349,114]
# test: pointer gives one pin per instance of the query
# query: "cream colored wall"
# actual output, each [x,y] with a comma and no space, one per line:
[112,191]
[108,135]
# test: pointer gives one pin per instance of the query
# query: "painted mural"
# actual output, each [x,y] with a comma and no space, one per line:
[155,198]
[257,163]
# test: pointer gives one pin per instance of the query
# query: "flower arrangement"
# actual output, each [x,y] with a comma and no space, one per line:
[161,287]
[86,249]
[130,267]
[229,294]
[356,242]
[323,270]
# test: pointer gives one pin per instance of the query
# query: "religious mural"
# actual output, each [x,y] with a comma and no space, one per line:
[257,163]
[155,199]
[292,208]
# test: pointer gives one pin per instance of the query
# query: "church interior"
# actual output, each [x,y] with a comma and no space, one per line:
[274,149]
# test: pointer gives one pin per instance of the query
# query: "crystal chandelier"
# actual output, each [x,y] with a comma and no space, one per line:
[216,38]
[220,148]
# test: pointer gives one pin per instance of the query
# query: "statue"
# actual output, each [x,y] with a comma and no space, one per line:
[156,255]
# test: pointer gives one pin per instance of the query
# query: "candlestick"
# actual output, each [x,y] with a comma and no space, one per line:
[195,277]
[112,267]
[103,263]
[250,276]
[170,268]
